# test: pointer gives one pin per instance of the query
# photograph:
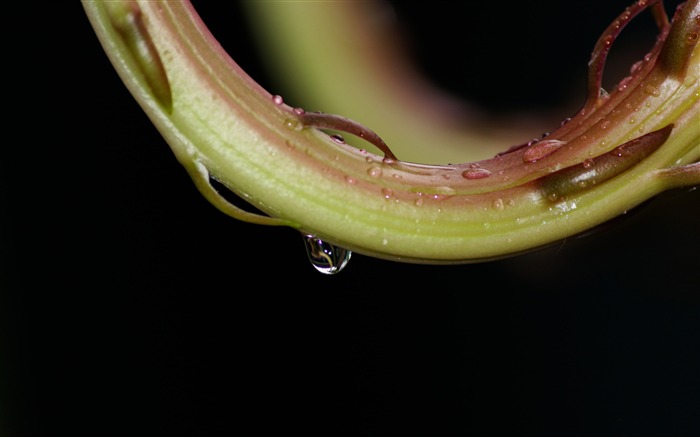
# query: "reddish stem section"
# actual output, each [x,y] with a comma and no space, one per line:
[682,38]
[602,168]
[602,47]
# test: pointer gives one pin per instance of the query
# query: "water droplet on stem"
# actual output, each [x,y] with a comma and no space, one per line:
[326,257]
[541,149]
[476,173]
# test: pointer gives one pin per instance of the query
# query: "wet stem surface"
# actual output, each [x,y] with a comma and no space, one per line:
[129,303]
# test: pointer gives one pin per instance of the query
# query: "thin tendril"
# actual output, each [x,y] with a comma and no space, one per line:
[320,120]
[602,47]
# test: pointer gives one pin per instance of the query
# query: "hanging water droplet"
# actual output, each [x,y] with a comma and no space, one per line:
[277,99]
[326,257]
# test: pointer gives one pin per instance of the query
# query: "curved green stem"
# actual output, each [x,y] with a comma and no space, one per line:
[641,139]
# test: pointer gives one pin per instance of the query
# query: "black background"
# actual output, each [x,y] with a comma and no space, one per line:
[130,306]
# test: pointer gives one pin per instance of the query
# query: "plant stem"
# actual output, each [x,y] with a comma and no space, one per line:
[222,125]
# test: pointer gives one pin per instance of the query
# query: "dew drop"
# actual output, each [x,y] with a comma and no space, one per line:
[541,149]
[374,171]
[299,111]
[445,191]
[623,83]
[350,180]
[325,257]
[293,124]
[588,163]
[387,193]
[418,201]
[691,38]
[636,66]
[622,151]
[476,173]
[277,99]
[498,204]
[338,138]
[652,90]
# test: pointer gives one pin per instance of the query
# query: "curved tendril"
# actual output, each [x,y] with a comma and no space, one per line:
[201,178]
[602,48]
[319,120]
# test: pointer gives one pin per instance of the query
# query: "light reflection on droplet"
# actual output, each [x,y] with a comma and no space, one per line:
[541,149]
[374,171]
[476,173]
[652,91]
[326,257]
